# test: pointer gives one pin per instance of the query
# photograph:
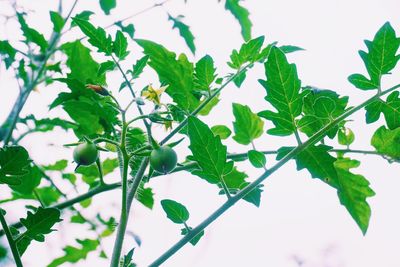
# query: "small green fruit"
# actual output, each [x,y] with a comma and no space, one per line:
[86,154]
[163,159]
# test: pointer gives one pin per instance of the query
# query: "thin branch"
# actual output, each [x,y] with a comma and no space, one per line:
[11,242]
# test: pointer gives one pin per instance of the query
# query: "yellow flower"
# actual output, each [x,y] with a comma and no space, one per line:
[153,94]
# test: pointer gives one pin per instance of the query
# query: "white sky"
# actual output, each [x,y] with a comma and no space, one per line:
[298,215]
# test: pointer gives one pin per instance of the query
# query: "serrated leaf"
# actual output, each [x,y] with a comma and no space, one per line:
[145,196]
[345,136]
[75,254]
[29,181]
[175,211]
[7,53]
[37,225]
[222,131]
[138,67]
[14,163]
[31,34]
[129,29]
[320,107]
[207,150]
[176,72]
[204,74]
[85,15]
[390,109]
[105,67]
[386,142]
[242,15]
[257,158]
[107,5]
[120,45]
[317,161]
[97,36]
[353,191]
[380,59]
[290,48]
[57,166]
[83,67]
[247,125]
[184,32]
[249,53]
[57,20]
[283,93]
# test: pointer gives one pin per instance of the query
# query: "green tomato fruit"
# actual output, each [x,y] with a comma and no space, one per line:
[163,159]
[86,154]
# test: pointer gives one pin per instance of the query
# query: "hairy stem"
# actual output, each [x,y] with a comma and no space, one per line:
[228,204]
[11,242]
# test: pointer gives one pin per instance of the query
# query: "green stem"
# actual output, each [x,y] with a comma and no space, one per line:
[100,169]
[10,240]
[242,193]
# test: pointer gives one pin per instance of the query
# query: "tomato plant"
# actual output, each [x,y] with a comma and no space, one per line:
[140,133]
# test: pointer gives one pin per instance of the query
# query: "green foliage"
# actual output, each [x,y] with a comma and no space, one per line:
[390,109]
[97,36]
[184,31]
[204,74]
[75,254]
[107,5]
[242,15]
[386,142]
[283,93]
[176,72]
[320,107]
[14,164]
[128,29]
[120,45]
[37,225]
[175,211]
[57,20]
[138,68]
[195,239]
[32,35]
[345,136]
[380,59]
[7,53]
[247,125]
[257,158]
[222,131]
[353,189]
[207,150]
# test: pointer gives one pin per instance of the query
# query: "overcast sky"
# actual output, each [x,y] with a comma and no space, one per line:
[299,217]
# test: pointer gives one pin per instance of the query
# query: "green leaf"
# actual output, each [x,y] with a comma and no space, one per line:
[283,93]
[249,53]
[390,109]
[380,59]
[386,142]
[235,180]
[204,74]
[242,15]
[29,181]
[127,261]
[145,196]
[345,136]
[46,124]
[107,5]
[7,53]
[138,67]
[353,192]
[75,254]
[59,165]
[128,29]
[37,225]
[317,160]
[97,36]
[290,48]
[221,130]
[120,45]
[207,150]
[83,67]
[105,67]
[85,15]
[175,211]
[57,20]
[195,239]
[177,73]
[320,107]
[247,125]
[31,34]
[257,158]
[184,31]
[14,163]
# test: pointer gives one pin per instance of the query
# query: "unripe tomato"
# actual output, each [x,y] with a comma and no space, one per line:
[86,154]
[163,159]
